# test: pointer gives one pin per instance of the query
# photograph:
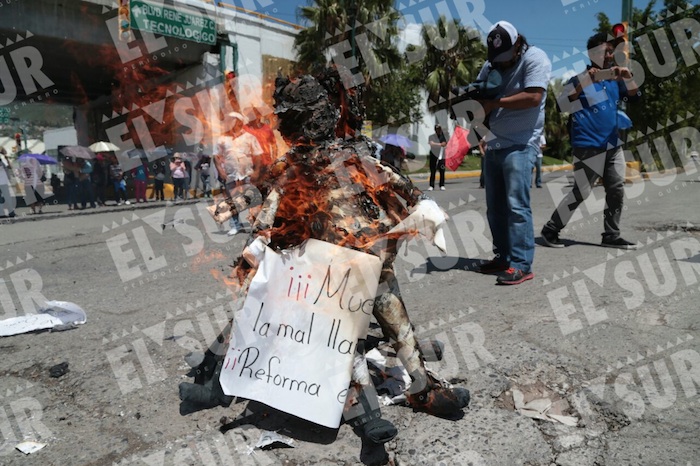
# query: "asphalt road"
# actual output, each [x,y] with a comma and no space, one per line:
[607,337]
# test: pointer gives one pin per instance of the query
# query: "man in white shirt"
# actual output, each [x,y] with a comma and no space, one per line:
[237,158]
[437,142]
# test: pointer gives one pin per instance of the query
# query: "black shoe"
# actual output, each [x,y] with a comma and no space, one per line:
[379,431]
[551,238]
[514,276]
[618,243]
[493,266]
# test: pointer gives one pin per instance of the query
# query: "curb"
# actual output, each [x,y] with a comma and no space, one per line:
[26,217]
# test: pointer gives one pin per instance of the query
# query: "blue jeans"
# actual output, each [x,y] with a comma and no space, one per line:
[507,178]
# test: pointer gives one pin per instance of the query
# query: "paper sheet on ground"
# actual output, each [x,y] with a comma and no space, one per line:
[293,342]
[56,315]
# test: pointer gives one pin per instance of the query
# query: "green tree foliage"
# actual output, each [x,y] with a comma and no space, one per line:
[665,51]
[555,124]
[452,56]
[362,35]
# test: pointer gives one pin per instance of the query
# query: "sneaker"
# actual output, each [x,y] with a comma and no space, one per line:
[120,203]
[127,203]
[493,266]
[618,243]
[551,238]
[430,188]
[233,231]
[442,188]
[514,276]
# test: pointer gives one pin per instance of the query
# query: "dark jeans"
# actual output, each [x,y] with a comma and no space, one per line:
[72,190]
[158,190]
[436,165]
[590,164]
[179,187]
[481,177]
[86,193]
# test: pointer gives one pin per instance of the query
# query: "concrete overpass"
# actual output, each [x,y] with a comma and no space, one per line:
[71,53]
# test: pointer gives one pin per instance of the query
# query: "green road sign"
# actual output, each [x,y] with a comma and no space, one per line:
[188,25]
[4,116]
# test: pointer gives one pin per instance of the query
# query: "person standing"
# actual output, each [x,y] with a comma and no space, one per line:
[264,134]
[99,180]
[85,182]
[482,154]
[140,182]
[538,162]
[33,176]
[178,174]
[594,96]
[70,183]
[187,181]
[237,158]
[117,175]
[515,118]
[7,194]
[437,142]
[159,183]
[202,167]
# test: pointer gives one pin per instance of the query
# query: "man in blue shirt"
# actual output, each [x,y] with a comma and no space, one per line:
[515,121]
[592,98]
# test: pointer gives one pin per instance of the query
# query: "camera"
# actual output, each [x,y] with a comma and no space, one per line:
[485,89]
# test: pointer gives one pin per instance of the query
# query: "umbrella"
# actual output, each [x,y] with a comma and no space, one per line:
[396,140]
[77,151]
[43,159]
[102,146]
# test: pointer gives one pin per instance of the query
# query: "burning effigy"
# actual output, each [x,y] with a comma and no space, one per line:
[327,229]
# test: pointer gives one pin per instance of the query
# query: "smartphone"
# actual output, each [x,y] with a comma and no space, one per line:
[606,75]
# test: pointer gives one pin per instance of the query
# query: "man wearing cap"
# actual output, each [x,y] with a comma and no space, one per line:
[592,99]
[236,158]
[515,118]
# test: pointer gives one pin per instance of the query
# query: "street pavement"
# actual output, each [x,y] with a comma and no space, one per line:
[604,336]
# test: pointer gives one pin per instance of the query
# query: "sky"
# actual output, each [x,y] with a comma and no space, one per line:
[556,26]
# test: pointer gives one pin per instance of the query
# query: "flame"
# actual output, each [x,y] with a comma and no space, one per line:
[332,194]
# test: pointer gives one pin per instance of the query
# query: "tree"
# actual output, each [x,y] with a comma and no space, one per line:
[364,31]
[452,56]
[661,49]
[555,124]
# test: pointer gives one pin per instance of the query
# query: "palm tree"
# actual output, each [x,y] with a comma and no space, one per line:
[359,23]
[367,30]
[452,56]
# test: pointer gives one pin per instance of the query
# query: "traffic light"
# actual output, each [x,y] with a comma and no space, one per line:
[124,17]
[621,42]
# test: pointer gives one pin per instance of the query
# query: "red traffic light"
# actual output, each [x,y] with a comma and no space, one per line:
[619,30]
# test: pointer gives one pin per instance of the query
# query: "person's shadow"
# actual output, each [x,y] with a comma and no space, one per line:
[267,418]
[445,264]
